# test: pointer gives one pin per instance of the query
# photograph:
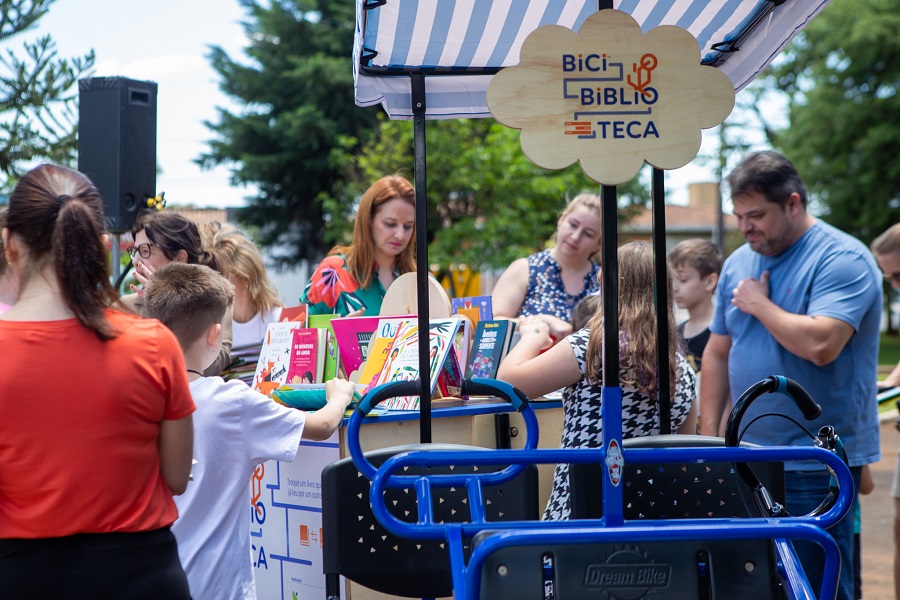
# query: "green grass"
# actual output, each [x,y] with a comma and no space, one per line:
[889,350]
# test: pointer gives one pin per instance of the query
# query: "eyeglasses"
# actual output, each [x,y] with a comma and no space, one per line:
[892,277]
[142,249]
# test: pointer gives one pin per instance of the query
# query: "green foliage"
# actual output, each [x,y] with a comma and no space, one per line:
[842,76]
[299,120]
[38,96]
[487,203]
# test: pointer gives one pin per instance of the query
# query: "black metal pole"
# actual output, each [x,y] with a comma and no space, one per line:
[609,278]
[661,298]
[417,81]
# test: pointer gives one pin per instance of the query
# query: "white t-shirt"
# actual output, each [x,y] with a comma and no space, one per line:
[254,330]
[235,429]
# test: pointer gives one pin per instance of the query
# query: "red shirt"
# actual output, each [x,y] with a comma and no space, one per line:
[79,426]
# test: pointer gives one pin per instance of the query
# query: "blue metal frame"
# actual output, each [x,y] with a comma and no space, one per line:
[612,527]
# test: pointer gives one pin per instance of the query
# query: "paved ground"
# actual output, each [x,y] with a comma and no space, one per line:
[878,521]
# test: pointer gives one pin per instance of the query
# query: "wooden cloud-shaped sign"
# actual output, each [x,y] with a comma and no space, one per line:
[610,97]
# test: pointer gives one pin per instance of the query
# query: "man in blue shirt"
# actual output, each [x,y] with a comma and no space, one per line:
[800,299]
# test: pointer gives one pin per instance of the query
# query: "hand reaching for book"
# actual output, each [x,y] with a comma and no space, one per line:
[339,391]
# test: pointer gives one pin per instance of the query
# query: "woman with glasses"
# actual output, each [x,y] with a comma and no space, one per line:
[96,429]
[550,283]
[159,239]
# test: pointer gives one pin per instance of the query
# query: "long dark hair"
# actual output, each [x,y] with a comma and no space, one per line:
[172,232]
[58,214]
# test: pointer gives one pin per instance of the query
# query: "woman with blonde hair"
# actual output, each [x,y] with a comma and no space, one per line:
[95,412]
[550,283]
[352,280]
[576,365]
[256,300]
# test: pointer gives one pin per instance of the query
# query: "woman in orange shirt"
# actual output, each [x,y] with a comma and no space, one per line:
[95,413]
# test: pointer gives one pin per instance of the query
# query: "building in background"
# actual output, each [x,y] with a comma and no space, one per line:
[699,219]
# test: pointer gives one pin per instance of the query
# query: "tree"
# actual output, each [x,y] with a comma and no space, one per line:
[842,77]
[37,95]
[488,204]
[297,97]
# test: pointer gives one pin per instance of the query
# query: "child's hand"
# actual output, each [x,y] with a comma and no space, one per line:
[535,331]
[339,391]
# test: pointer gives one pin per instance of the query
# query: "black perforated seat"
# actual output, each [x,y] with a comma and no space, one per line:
[356,546]
[673,491]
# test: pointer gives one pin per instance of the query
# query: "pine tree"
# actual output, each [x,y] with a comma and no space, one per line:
[38,94]
[297,96]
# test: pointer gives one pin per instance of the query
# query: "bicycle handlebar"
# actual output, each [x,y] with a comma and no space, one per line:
[827,438]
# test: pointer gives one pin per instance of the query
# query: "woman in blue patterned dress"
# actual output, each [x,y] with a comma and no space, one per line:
[550,283]
[576,362]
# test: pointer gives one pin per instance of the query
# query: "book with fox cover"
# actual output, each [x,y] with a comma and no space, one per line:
[274,356]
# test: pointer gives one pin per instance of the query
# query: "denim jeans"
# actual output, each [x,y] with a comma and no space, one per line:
[805,491]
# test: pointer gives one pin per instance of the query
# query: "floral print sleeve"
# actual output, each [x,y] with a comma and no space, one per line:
[332,289]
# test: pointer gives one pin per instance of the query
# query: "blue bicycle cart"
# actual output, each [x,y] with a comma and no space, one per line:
[665,517]
[619,555]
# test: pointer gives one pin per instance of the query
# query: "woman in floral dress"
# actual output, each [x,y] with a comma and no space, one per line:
[352,280]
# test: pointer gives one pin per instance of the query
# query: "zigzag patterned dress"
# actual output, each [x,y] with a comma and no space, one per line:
[583,425]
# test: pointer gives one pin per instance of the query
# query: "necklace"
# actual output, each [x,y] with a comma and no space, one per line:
[195,372]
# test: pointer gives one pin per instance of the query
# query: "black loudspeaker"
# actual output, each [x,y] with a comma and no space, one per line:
[117,144]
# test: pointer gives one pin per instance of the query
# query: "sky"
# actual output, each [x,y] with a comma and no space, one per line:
[167,42]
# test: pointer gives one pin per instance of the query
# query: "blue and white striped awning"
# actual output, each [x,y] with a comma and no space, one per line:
[459,44]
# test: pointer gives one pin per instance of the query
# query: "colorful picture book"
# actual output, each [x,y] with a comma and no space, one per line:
[274,356]
[332,356]
[353,335]
[402,361]
[379,347]
[490,344]
[476,308]
[307,361]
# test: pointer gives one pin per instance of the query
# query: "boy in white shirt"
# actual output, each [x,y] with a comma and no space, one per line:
[235,429]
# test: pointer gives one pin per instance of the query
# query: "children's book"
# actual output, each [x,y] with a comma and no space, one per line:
[307,362]
[451,375]
[380,347]
[274,356]
[353,335]
[332,356]
[294,313]
[477,308]
[402,362]
[489,345]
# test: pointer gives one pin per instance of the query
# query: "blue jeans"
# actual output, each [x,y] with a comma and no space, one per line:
[805,491]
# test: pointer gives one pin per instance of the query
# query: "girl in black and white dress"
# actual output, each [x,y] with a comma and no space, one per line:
[576,364]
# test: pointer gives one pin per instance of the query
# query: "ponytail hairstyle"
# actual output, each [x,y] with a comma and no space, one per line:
[57,213]
[637,325]
[173,232]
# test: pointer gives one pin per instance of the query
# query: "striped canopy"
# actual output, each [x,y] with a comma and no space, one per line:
[460,44]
